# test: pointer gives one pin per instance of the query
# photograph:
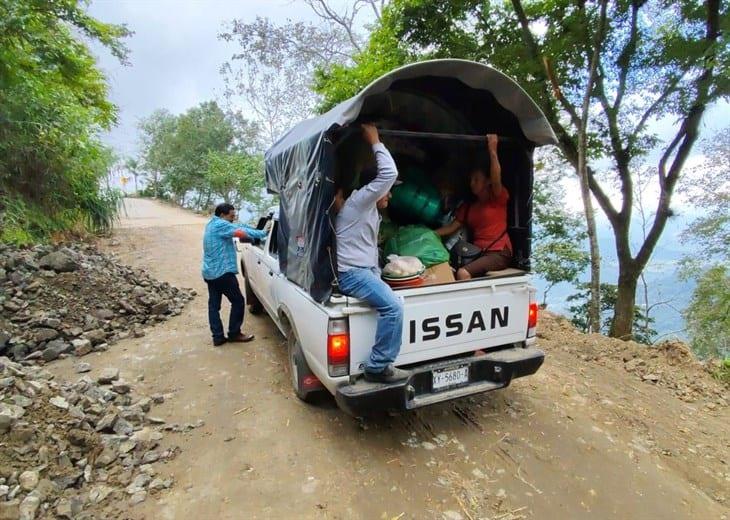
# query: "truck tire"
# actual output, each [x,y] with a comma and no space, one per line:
[254,304]
[305,384]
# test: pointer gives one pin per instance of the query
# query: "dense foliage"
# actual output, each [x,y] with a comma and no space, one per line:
[559,236]
[53,103]
[200,157]
[708,313]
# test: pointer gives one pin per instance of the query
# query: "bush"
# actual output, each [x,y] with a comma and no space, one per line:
[53,103]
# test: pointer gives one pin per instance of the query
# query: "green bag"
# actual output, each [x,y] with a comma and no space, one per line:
[418,241]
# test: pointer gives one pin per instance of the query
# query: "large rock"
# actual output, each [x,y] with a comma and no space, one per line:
[81,347]
[6,422]
[28,480]
[10,510]
[69,508]
[121,387]
[96,336]
[59,262]
[53,350]
[108,375]
[29,507]
[45,334]
[11,306]
[103,314]
[160,308]
[19,351]
[13,411]
[52,323]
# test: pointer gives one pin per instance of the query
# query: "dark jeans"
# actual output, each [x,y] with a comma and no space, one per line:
[366,284]
[226,285]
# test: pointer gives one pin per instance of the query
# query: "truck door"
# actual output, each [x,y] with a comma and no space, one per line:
[269,271]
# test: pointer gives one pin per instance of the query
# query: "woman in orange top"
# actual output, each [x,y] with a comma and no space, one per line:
[485,218]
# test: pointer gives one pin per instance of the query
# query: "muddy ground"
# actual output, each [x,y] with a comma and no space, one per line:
[588,436]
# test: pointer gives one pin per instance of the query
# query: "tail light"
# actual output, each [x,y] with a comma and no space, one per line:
[532,316]
[338,347]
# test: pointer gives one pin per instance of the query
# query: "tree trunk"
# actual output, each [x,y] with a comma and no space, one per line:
[594,304]
[623,318]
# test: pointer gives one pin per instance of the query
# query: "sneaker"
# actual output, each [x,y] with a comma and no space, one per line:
[219,342]
[389,375]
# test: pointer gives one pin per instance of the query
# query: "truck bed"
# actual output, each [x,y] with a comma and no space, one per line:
[448,319]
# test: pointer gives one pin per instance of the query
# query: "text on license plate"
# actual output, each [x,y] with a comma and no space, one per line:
[450,377]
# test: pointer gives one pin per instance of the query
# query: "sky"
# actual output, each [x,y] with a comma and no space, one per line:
[175,54]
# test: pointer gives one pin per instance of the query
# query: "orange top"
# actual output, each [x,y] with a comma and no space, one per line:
[487,221]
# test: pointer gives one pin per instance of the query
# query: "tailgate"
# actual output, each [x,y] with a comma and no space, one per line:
[445,320]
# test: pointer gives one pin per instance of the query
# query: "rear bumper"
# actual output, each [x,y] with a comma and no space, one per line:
[487,372]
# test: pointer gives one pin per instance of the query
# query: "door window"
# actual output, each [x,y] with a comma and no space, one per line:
[272,242]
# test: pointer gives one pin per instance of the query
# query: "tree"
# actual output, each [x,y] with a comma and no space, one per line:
[559,236]
[53,102]
[273,70]
[707,314]
[201,154]
[156,132]
[654,62]
[176,148]
[133,166]
[642,325]
[708,188]
[236,177]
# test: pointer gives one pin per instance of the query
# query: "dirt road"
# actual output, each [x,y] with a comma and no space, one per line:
[581,439]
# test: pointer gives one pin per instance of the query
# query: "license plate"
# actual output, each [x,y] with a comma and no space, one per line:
[448,377]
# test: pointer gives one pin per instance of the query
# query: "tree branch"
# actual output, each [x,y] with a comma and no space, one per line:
[671,89]
[624,59]
[686,135]
[322,9]
[619,152]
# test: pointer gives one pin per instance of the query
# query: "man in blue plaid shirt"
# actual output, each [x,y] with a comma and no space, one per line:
[220,269]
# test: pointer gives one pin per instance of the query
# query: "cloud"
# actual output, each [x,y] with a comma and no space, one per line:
[175,55]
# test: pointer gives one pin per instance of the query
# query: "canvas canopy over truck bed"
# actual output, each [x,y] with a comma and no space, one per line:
[433,116]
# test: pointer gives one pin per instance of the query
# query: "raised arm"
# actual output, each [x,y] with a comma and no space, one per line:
[387,171]
[240,231]
[495,169]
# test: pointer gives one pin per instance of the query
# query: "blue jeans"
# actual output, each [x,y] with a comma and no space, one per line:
[226,285]
[366,284]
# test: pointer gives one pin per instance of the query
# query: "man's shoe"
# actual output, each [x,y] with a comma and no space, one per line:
[389,375]
[241,338]
[219,342]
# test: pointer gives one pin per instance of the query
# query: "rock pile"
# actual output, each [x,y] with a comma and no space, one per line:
[83,450]
[670,364]
[72,300]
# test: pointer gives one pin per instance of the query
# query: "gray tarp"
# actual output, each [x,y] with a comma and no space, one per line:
[301,166]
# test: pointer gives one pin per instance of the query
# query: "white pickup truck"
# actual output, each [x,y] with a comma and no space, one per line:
[459,338]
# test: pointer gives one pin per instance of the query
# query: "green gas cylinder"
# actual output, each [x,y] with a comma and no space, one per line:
[420,202]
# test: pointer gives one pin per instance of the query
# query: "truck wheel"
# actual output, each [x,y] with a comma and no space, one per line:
[305,384]
[253,302]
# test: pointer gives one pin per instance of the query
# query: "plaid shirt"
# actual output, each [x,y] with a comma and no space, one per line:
[219,253]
